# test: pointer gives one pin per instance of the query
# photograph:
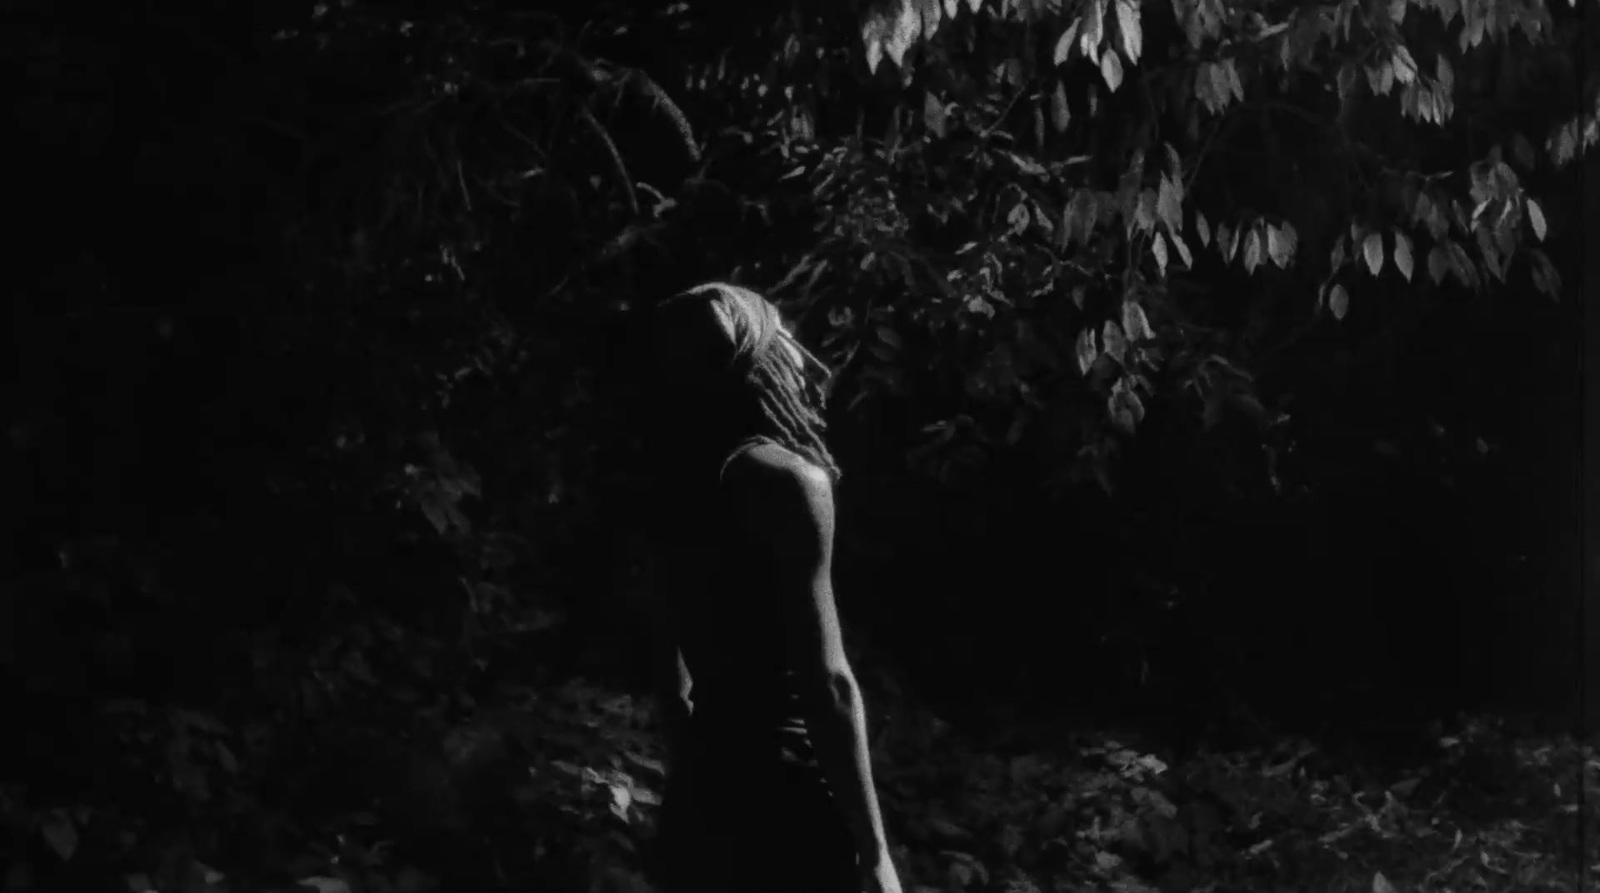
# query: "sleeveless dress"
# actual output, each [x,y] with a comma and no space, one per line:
[747,808]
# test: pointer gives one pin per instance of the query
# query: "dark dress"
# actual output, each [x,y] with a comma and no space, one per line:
[747,808]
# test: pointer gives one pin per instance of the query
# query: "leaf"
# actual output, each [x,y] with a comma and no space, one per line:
[325,884]
[1136,166]
[1144,213]
[1347,82]
[1438,264]
[1129,30]
[889,337]
[1404,67]
[1536,218]
[1492,258]
[1227,244]
[1111,70]
[1183,249]
[1462,264]
[1027,165]
[1545,276]
[1125,407]
[1372,248]
[59,832]
[1445,74]
[1444,104]
[1203,229]
[1135,323]
[1422,208]
[1115,343]
[1064,45]
[1094,29]
[1429,108]
[621,799]
[1019,426]
[1060,112]
[1252,251]
[1480,190]
[1504,177]
[653,766]
[1159,246]
[1168,206]
[1563,144]
[203,877]
[889,30]
[933,114]
[1205,87]
[1339,302]
[1233,82]
[1380,884]
[1279,246]
[1402,254]
[1472,33]
[1085,351]
[1019,218]
[1438,221]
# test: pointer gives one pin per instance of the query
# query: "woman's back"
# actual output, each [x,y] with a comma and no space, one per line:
[751,636]
[730,620]
[746,746]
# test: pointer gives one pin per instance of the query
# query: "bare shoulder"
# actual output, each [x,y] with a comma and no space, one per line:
[775,479]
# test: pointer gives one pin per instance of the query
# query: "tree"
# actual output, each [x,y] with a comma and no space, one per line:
[1135,155]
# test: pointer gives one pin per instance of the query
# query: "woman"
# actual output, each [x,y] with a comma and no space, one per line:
[771,784]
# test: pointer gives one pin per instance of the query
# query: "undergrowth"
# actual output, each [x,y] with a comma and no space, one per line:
[555,788]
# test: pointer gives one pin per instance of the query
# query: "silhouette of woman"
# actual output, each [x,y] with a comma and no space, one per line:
[770,786]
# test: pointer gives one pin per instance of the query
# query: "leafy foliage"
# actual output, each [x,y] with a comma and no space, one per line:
[1323,131]
[292,573]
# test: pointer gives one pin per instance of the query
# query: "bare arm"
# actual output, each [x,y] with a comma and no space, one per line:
[796,503]
[669,674]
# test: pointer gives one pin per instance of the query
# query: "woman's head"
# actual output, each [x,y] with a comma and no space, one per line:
[724,363]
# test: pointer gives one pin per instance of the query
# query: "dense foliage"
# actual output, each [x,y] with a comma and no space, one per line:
[1186,353]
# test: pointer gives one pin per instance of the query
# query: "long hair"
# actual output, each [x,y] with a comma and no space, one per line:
[759,360]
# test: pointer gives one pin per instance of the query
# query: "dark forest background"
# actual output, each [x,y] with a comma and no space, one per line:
[1208,370]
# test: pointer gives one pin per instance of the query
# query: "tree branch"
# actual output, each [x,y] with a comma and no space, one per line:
[620,169]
